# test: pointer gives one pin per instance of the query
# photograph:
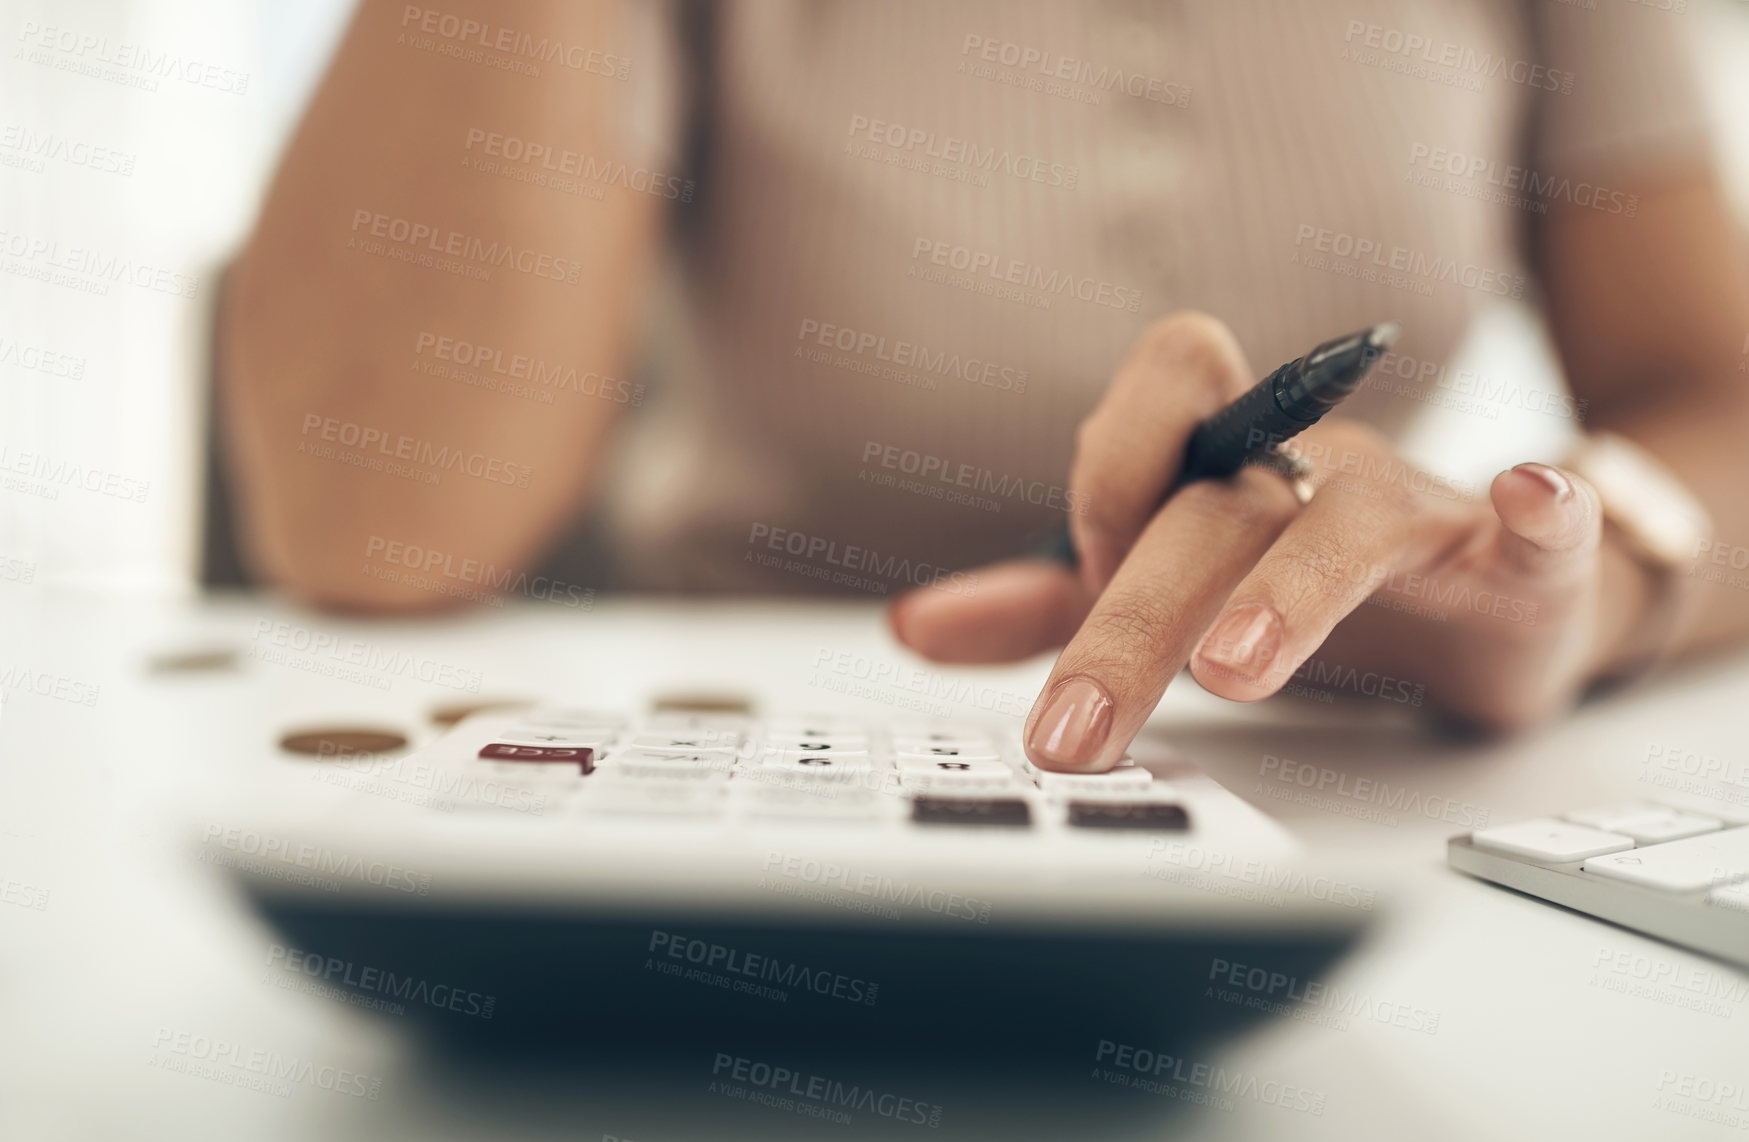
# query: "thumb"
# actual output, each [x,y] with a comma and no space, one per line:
[1020,608]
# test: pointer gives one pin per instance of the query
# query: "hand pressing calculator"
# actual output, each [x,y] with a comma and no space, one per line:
[698,873]
[1663,869]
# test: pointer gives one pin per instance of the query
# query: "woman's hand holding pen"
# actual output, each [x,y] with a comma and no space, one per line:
[1503,609]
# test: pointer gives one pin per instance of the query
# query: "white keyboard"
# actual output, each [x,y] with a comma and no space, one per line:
[1663,869]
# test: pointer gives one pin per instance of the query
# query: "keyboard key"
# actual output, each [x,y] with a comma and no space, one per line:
[781,755]
[931,810]
[582,756]
[1681,866]
[1646,823]
[1131,780]
[1550,841]
[823,726]
[1105,814]
[976,742]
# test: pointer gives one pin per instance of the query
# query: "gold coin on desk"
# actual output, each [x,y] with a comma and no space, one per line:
[342,741]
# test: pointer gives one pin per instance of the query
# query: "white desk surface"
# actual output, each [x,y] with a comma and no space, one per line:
[1543,1029]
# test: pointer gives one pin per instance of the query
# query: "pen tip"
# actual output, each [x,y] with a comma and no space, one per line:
[1383,336]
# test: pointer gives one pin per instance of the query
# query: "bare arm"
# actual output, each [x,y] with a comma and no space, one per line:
[1650,314]
[328,321]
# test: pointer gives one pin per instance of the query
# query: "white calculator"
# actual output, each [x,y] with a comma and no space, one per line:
[556,857]
[1666,869]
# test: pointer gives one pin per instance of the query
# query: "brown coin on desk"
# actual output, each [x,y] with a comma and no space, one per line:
[342,741]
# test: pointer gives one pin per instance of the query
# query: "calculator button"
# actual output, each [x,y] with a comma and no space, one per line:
[1550,841]
[642,763]
[965,752]
[1105,814]
[1681,866]
[976,743]
[581,756]
[821,727]
[655,798]
[1607,817]
[987,784]
[1131,780]
[985,767]
[705,741]
[525,776]
[830,763]
[538,736]
[929,810]
[822,803]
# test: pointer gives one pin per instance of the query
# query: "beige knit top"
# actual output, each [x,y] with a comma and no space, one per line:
[928,231]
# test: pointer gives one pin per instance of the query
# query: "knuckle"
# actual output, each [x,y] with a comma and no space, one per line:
[1196,345]
[1126,629]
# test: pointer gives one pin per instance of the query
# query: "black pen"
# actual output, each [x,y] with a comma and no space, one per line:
[1279,407]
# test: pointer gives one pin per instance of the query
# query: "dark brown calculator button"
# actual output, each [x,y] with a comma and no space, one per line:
[342,741]
[1127,815]
[970,811]
[581,755]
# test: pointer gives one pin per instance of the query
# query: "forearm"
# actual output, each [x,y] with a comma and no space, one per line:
[337,315]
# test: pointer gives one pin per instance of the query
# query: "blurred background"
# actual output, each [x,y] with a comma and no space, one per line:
[145,185]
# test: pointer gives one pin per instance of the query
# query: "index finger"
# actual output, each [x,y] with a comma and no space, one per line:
[1142,631]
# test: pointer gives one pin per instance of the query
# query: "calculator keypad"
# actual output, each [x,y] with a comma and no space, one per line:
[824,769]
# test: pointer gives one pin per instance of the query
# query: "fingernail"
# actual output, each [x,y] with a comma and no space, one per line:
[1245,641]
[1553,477]
[1073,727]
